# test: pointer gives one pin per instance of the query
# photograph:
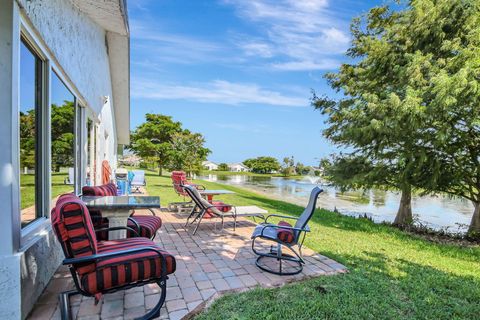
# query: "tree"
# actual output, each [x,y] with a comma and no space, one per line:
[288,167]
[223,167]
[153,139]
[262,164]
[385,115]
[188,152]
[62,135]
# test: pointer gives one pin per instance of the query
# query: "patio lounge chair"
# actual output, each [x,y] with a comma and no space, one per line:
[179,179]
[101,267]
[138,180]
[203,208]
[284,235]
[146,225]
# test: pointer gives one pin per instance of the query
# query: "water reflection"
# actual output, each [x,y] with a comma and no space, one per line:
[435,211]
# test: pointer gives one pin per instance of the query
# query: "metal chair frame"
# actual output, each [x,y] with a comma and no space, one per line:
[64,297]
[299,237]
[202,206]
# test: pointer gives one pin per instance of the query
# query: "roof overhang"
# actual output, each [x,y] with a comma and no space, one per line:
[119,54]
[111,15]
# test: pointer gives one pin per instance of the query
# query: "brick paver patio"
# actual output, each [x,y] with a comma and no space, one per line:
[209,264]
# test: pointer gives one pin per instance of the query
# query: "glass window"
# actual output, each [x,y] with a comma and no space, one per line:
[62,138]
[30,133]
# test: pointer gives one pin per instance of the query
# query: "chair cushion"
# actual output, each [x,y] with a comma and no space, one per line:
[219,205]
[108,189]
[125,269]
[285,235]
[74,229]
[149,225]
[280,234]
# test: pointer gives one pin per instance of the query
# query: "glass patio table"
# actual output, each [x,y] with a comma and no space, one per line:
[118,208]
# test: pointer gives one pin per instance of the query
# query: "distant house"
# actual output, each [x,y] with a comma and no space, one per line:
[238,167]
[209,165]
[130,160]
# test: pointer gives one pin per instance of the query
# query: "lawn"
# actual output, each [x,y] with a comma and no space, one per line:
[392,275]
[27,187]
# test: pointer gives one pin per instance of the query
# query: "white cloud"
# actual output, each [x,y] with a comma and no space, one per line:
[218,91]
[302,34]
[170,47]
[257,49]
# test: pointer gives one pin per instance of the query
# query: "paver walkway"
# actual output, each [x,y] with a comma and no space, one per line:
[208,264]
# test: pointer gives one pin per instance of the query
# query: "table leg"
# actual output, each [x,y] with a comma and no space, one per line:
[117,221]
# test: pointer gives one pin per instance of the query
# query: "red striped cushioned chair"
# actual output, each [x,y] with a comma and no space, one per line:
[147,226]
[100,267]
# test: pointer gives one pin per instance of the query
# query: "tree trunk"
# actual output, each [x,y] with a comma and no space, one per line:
[404,215]
[475,224]
[160,170]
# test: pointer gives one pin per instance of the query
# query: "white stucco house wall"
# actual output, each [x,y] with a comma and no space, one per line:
[209,165]
[238,167]
[85,44]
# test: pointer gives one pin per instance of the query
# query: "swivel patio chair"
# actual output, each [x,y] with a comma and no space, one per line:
[204,209]
[102,267]
[146,225]
[284,235]
[179,179]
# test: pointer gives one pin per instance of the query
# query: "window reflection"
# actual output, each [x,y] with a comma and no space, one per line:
[30,102]
[62,138]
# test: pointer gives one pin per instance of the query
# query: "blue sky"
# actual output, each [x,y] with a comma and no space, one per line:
[240,71]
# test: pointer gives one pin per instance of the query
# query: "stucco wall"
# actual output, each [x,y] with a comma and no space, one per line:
[77,43]
[78,46]
[37,265]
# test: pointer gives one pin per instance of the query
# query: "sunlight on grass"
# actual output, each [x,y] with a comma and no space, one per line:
[392,275]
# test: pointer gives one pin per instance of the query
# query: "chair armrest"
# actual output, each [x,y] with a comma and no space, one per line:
[135,223]
[280,216]
[100,256]
[118,228]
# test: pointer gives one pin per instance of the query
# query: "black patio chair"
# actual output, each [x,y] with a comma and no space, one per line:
[285,235]
[203,207]
[101,267]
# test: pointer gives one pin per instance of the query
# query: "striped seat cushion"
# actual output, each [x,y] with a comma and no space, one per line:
[285,235]
[128,268]
[74,229]
[149,225]
[109,189]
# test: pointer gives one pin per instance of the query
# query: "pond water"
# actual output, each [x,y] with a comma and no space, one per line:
[438,212]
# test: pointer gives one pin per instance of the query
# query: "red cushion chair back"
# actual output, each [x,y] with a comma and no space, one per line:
[74,230]
[108,189]
[179,178]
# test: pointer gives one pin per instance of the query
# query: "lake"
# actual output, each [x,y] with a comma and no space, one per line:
[438,212]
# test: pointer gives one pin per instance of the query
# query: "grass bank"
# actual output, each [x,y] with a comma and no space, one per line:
[393,275]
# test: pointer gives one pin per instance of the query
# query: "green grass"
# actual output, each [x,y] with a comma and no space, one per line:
[27,187]
[392,275]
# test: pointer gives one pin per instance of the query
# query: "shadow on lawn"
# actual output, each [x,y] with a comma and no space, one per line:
[378,287]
